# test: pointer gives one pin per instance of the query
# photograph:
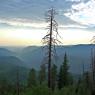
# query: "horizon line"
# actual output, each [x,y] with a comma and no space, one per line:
[41,45]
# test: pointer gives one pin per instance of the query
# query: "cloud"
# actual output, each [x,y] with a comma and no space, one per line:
[84,14]
[17,22]
[35,10]
[71,26]
[74,0]
[67,20]
[31,9]
[52,0]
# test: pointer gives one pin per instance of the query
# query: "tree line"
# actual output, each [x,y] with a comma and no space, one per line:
[62,82]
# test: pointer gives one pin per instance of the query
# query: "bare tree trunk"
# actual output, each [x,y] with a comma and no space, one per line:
[50,40]
[50,51]
[93,71]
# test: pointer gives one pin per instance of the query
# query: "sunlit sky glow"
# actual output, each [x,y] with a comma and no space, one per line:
[22,21]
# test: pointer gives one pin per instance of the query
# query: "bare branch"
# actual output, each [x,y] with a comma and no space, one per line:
[51,40]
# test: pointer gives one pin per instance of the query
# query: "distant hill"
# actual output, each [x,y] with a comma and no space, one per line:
[5,52]
[9,63]
[34,56]
[9,66]
[77,56]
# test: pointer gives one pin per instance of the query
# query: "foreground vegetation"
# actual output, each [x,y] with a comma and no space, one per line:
[63,83]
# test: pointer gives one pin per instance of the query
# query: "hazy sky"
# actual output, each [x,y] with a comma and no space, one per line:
[22,21]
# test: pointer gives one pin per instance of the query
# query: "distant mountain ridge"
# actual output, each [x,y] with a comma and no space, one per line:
[34,56]
[5,52]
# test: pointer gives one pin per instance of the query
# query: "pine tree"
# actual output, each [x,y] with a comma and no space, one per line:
[17,81]
[32,78]
[93,66]
[3,87]
[65,71]
[87,79]
[54,76]
[60,78]
[42,74]
[63,78]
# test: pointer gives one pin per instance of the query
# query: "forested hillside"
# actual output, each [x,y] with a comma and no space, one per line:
[70,74]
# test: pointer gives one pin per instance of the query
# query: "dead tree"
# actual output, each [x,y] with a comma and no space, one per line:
[50,40]
[93,66]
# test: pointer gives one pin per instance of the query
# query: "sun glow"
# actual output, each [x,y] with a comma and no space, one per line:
[75,36]
[21,36]
[34,36]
